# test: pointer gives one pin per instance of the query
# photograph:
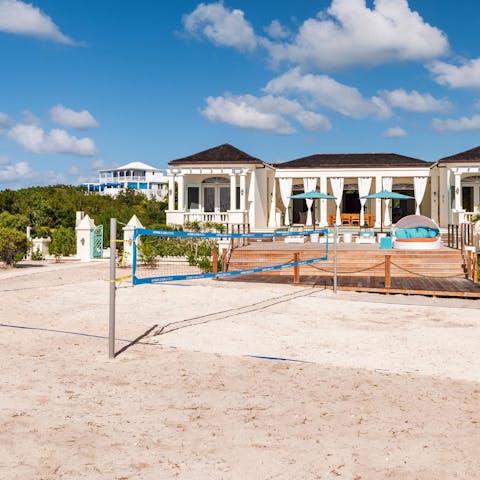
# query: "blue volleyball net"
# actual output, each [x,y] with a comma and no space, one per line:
[166,256]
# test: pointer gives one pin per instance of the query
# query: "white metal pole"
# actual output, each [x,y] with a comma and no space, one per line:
[111,316]
[335,239]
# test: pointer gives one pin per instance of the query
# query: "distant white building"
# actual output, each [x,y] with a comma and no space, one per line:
[138,176]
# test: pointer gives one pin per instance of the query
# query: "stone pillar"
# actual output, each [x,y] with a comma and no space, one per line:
[243,191]
[458,192]
[84,238]
[378,201]
[323,203]
[171,192]
[128,230]
[233,192]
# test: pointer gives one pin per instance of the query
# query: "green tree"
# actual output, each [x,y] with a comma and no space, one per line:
[18,222]
[13,245]
[63,243]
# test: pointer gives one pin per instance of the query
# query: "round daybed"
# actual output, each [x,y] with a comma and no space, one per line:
[416,232]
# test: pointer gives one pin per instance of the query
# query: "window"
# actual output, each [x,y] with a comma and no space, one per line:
[193,198]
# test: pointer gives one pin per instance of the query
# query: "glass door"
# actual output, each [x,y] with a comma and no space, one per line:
[224,199]
[208,199]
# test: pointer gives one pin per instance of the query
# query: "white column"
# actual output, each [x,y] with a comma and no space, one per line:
[458,192]
[378,201]
[272,221]
[233,191]
[243,187]
[434,196]
[171,192]
[476,196]
[323,203]
[181,193]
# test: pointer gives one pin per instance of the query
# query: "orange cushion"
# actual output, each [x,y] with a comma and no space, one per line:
[434,239]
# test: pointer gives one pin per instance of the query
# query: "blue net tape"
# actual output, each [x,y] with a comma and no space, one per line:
[180,234]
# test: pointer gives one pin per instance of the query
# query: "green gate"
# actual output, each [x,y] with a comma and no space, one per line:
[96,243]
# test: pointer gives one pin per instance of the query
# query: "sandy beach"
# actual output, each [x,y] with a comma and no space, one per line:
[232,380]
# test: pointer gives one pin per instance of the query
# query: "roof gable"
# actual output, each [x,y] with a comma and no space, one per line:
[354,160]
[225,153]
[472,155]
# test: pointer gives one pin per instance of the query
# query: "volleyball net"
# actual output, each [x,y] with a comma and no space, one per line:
[165,256]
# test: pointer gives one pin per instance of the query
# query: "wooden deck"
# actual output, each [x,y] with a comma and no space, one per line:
[361,268]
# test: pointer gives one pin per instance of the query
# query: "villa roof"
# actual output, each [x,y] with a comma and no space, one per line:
[132,166]
[472,155]
[221,154]
[353,160]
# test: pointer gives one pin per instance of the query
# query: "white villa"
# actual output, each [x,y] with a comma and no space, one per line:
[140,177]
[225,185]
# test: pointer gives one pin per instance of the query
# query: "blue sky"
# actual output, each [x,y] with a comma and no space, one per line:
[88,84]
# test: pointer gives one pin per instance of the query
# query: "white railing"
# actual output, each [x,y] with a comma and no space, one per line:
[202,217]
[465,217]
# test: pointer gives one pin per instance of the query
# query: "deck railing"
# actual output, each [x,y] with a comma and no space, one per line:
[203,217]
[461,236]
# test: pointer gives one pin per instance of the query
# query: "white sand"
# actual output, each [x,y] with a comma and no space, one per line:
[391,389]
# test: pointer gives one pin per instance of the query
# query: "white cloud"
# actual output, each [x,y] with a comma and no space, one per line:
[221,26]
[457,125]
[464,76]
[350,33]
[395,132]
[326,91]
[30,118]
[4,160]
[24,19]
[414,101]
[277,30]
[312,121]
[4,119]
[15,172]
[262,113]
[34,139]
[71,119]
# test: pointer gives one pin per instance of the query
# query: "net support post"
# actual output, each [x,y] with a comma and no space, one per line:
[388,276]
[215,260]
[335,240]
[111,315]
[296,269]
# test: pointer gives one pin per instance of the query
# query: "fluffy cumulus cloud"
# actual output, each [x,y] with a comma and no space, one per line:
[66,117]
[14,172]
[350,33]
[221,26]
[414,101]
[457,125]
[466,75]
[265,113]
[395,132]
[34,139]
[25,19]
[277,30]
[325,91]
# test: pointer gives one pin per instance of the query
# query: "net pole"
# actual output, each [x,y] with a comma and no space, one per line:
[111,316]
[335,239]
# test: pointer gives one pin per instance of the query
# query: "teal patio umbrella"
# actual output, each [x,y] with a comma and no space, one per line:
[313,195]
[386,195]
